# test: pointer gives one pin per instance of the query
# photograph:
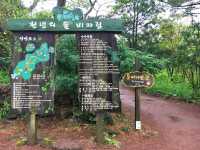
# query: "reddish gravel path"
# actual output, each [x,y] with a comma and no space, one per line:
[167,125]
[177,123]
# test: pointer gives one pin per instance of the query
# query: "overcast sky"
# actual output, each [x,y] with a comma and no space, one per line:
[105,8]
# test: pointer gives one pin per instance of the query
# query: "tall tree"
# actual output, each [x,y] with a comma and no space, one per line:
[8,9]
[87,5]
[137,15]
[61,3]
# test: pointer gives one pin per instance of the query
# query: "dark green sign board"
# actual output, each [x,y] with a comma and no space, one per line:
[91,25]
[32,71]
[98,84]
[33,60]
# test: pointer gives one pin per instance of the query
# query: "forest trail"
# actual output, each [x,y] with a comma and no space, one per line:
[177,123]
[167,125]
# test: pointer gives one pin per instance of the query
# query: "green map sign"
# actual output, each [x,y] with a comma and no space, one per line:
[91,25]
[32,75]
[26,67]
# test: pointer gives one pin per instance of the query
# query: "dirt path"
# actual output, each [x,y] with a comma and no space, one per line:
[167,125]
[177,123]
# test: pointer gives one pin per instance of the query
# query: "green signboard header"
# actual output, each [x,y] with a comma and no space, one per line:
[90,25]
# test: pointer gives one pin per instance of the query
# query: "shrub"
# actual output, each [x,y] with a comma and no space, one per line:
[66,68]
[148,61]
[4,77]
[177,87]
[4,109]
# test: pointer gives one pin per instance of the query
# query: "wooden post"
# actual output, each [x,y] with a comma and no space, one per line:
[100,127]
[137,100]
[137,109]
[32,126]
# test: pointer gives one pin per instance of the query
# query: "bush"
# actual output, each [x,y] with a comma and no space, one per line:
[4,109]
[177,87]
[148,61]
[4,77]
[66,68]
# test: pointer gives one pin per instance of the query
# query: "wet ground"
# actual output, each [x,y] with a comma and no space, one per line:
[177,123]
[167,125]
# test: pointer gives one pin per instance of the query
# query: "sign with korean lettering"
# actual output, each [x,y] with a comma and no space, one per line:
[33,60]
[32,71]
[90,25]
[138,79]
[99,75]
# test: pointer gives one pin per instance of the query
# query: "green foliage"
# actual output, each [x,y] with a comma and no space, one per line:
[176,88]
[148,62]
[12,9]
[49,109]
[43,15]
[66,68]
[8,9]
[109,139]
[136,15]
[21,142]
[4,77]
[66,83]
[5,49]
[4,109]
[170,38]
[180,46]
[125,129]
[188,57]
[108,120]
[114,56]
[176,3]
[47,142]
[84,116]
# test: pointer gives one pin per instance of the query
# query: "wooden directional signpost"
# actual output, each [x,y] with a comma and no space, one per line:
[33,63]
[138,80]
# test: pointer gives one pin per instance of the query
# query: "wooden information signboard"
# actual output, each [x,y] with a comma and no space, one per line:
[33,60]
[32,73]
[98,87]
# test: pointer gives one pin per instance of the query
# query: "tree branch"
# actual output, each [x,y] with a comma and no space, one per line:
[99,8]
[35,2]
[181,6]
[92,4]
[61,3]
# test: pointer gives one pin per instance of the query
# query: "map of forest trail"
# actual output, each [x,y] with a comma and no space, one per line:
[26,67]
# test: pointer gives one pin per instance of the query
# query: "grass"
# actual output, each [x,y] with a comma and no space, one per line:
[176,88]
[4,77]
[4,109]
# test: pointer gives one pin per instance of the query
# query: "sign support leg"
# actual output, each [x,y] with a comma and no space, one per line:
[32,127]
[137,109]
[100,127]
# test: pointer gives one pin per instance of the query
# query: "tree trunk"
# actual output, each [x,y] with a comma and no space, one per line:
[32,127]
[61,3]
